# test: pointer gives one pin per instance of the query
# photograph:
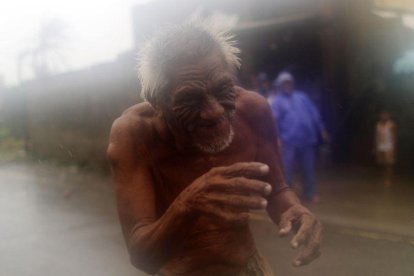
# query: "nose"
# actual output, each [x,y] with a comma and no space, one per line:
[212,110]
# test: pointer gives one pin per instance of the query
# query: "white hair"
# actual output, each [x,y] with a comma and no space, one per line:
[195,37]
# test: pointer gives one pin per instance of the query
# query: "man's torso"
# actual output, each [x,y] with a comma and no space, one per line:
[210,242]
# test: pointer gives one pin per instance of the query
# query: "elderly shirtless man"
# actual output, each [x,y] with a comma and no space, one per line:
[193,159]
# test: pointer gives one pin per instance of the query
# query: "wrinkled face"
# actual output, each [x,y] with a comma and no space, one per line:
[201,104]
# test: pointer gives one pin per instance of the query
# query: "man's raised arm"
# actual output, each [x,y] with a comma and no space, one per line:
[284,208]
[149,239]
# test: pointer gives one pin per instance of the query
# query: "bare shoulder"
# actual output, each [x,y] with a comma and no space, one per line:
[249,99]
[253,107]
[132,131]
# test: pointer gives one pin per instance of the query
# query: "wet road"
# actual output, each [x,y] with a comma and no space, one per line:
[59,221]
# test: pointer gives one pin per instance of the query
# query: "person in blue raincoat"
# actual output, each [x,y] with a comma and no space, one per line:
[300,129]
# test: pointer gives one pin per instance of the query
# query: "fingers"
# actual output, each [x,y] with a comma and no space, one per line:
[243,185]
[285,224]
[308,234]
[244,169]
[307,256]
[306,227]
[311,249]
[238,201]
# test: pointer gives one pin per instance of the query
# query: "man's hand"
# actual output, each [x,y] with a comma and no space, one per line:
[307,231]
[227,193]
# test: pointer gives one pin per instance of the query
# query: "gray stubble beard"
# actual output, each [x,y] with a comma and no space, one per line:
[219,145]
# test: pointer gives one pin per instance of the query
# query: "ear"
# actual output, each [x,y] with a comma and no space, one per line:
[158,112]
[161,126]
[163,112]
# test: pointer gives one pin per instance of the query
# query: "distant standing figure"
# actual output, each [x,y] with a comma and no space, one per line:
[299,126]
[385,139]
[264,85]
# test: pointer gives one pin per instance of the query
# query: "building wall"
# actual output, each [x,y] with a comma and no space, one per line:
[69,116]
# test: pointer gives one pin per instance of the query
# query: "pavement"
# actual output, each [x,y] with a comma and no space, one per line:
[368,229]
[62,221]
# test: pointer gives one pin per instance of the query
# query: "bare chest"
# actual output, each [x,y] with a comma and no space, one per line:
[175,172]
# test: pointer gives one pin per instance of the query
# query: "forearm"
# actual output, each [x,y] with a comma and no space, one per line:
[282,197]
[151,245]
[281,201]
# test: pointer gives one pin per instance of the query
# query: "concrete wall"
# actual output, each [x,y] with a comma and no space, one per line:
[69,116]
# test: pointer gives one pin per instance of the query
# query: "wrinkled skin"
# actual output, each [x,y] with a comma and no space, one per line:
[188,172]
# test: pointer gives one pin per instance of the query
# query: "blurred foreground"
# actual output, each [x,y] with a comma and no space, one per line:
[62,221]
